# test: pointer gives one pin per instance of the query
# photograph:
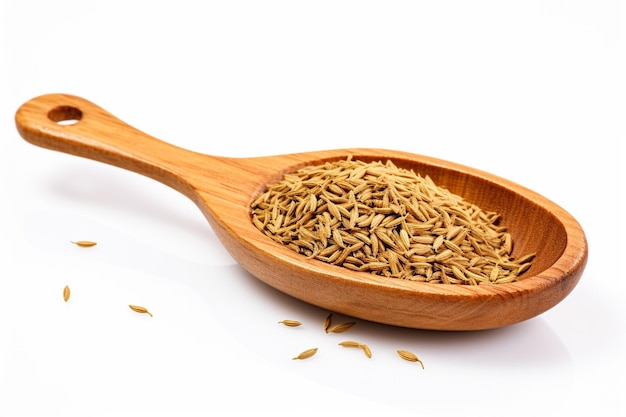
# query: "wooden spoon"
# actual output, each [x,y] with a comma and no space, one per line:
[223,188]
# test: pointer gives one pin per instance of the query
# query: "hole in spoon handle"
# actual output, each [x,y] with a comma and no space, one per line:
[65,115]
[76,126]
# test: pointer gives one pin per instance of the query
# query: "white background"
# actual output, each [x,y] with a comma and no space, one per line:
[532,91]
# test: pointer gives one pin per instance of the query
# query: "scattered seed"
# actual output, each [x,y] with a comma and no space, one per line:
[350,344]
[340,328]
[84,243]
[409,356]
[140,309]
[328,322]
[66,293]
[353,344]
[306,354]
[366,350]
[290,323]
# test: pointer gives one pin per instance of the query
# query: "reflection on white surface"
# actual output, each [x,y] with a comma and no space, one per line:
[453,360]
[248,311]
[137,203]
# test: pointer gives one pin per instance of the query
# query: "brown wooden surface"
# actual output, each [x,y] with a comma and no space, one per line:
[223,189]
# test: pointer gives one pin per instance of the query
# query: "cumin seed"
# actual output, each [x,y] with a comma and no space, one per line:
[349,344]
[383,216]
[84,243]
[306,354]
[409,356]
[140,309]
[353,344]
[328,322]
[366,350]
[290,323]
[340,328]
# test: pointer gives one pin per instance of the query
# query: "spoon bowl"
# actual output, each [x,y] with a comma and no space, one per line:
[224,188]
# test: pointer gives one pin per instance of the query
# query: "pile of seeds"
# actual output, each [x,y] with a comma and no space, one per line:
[388,221]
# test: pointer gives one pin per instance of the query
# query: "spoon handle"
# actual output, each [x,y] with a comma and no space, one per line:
[76,126]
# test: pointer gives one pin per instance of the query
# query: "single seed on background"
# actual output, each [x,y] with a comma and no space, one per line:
[353,344]
[350,344]
[327,322]
[340,328]
[84,243]
[409,356]
[306,354]
[140,309]
[66,293]
[290,323]
[366,350]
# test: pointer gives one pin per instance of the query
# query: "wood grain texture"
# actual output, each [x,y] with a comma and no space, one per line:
[223,189]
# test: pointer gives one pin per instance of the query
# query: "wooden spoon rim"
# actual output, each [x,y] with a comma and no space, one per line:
[559,270]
